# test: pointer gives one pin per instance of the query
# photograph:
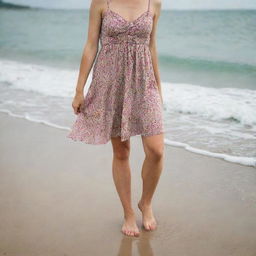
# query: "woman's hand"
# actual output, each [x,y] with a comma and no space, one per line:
[77,102]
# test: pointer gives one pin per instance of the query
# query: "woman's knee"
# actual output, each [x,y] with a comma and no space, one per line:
[155,153]
[122,154]
[121,150]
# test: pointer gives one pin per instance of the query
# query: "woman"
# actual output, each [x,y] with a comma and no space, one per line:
[124,98]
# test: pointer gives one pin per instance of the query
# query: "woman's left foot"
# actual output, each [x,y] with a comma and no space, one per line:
[148,219]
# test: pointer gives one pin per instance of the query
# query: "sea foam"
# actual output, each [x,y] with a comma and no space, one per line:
[211,103]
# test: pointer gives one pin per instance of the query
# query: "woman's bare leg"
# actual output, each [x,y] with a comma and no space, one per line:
[122,179]
[151,171]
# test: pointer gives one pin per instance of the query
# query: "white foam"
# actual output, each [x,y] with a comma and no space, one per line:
[38,78]
[249,161]
[227,132]
[29,118]
[209,103]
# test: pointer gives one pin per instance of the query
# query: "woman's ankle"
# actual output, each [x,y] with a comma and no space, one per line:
[144,203]
[129,213]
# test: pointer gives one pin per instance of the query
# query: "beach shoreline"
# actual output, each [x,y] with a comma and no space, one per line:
[58,197]
[241,160]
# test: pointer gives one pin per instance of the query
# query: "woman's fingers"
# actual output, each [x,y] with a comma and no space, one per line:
[76,109]
[77,103]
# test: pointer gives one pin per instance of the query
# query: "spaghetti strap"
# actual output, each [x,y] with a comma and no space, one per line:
[108,4]
[148,6]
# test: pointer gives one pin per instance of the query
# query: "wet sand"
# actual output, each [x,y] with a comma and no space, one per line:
[57,197]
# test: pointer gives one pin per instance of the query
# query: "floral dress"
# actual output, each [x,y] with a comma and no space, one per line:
[123,98]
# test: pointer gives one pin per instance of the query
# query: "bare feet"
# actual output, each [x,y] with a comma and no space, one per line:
[130,227]
[148,219]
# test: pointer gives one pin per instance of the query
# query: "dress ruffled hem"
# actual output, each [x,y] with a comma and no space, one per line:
[101,141]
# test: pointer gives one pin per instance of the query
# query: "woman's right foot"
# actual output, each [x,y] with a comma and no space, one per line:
[148,219]
[130,227]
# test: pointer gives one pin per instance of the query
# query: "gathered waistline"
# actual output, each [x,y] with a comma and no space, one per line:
[127,42]
[128,39]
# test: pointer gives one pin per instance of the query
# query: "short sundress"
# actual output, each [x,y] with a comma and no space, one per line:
[123,98]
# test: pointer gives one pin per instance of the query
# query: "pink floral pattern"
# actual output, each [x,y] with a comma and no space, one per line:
[123,98]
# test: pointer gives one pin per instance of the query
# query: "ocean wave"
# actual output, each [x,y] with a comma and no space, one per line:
[207,64]
[38,78]
[218,104]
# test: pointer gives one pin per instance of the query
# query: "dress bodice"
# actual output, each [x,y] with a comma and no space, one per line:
[115,29]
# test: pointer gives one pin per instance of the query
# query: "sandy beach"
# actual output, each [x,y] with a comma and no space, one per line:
[58,198]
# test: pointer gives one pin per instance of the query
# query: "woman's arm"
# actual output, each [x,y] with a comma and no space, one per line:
[153,46]
[89,52]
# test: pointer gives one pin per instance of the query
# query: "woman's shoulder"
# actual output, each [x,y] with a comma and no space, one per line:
[98,3]
[157,3]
